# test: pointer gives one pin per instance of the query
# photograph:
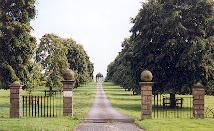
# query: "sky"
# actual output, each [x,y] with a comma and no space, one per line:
[99,25]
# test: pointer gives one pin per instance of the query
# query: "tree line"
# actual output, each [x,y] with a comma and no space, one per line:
[22,59]
[174,39]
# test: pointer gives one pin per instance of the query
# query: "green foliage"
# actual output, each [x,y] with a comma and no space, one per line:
[16,44]
[119,71]
[210,88]
[174,40]
[56,54]
[79,61]
[34,78]
[51,53]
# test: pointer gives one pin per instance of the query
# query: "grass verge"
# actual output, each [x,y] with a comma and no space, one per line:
[83,98]
[128,104]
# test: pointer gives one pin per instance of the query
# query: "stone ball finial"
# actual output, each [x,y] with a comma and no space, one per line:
[16,83]
[146,75]
[198,85]
[68,74]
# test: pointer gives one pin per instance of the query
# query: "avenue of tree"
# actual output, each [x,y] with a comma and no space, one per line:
[174,39]
[22,59]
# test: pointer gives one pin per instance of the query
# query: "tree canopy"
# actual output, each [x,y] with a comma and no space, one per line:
[79,61]
[119,71]
[52,55]
[57,54]
[174,40]
[16,44]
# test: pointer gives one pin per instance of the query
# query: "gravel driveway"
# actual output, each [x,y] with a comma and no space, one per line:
[103,117]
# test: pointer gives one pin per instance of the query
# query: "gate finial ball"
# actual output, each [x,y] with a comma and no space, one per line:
[68,74]
[16,83]
[146,75]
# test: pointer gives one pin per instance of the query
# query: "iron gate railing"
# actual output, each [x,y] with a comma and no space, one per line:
[48,105]
[4,103]
[209,112]
[161,106]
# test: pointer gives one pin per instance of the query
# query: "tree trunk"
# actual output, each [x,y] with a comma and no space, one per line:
[172,101]
[50,91]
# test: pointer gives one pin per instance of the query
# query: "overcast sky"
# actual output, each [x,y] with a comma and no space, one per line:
[99,25]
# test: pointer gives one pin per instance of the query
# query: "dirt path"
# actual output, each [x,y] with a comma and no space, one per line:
[102,117]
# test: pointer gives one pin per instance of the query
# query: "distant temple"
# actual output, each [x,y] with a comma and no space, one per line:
[99,77]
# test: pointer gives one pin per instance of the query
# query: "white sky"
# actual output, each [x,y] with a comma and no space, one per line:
[99,25]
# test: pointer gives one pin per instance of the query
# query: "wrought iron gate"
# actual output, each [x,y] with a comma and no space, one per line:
[162,108]
[48,105]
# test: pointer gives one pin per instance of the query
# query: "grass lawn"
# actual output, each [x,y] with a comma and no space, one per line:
[128,104]
[83,98]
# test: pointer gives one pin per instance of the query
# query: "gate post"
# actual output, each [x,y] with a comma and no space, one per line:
[146,94]
[15,100]
[198,93]
[68,84]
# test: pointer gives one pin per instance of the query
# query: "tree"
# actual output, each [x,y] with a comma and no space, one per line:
[16,44]
[56,54]
[34,78]
[174,39]
[51,53]
[79,61]
[119,71]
